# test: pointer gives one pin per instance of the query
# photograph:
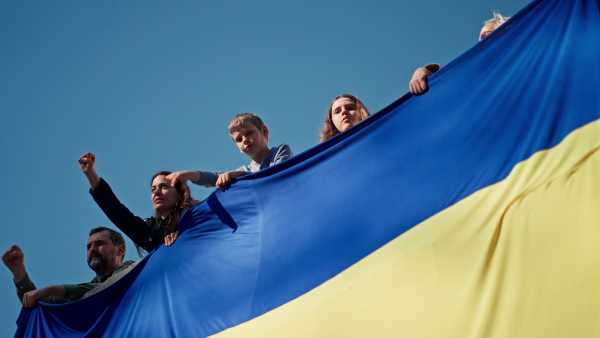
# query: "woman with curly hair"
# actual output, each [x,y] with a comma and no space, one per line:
[344,112]
[170,202]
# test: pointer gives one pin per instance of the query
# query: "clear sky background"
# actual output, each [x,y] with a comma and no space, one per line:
[153,85]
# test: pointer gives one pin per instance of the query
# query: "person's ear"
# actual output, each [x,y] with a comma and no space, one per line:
[265,131]
[121,250]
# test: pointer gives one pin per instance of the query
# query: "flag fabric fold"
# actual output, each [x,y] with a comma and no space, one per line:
[470,211]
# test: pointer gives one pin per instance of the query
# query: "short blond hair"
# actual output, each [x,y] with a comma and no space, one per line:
[497,20]
[240,119]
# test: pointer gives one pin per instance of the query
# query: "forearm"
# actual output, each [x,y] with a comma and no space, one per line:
[48,294]
[236,174]
[19,274]
[74,292]
[134,227]
[52,291]
[23,286]
[195,176]
[93,178]
[208,178]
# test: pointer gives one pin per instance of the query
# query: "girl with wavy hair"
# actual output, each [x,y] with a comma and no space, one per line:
[345,111]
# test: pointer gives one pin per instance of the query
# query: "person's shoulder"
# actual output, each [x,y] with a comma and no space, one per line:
[126,265]
[123,265]
[280,154]
[281,147]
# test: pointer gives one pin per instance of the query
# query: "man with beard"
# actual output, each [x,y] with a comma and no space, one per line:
[105,253]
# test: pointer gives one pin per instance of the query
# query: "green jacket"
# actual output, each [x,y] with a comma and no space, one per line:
[72,291]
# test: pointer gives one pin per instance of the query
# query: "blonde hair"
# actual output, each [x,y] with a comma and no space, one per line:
[240,119]
[329,129]
[497,20]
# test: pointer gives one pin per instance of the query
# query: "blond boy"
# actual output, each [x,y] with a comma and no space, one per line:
[251,136]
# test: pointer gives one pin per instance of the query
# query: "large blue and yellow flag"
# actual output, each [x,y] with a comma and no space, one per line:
[470,211]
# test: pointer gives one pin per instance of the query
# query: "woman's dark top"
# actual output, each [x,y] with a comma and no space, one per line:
[143,232]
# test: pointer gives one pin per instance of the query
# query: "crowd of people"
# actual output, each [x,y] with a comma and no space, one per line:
[171,196]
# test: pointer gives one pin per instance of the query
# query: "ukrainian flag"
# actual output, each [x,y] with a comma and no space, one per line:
[470,211]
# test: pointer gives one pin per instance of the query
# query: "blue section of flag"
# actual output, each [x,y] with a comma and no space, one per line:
[277,234]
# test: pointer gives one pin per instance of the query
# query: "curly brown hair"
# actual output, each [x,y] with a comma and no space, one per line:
[329,130]
[184,202]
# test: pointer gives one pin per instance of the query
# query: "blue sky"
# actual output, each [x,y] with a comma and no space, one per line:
[152,85]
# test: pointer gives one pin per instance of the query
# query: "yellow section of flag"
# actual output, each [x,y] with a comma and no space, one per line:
[520,258]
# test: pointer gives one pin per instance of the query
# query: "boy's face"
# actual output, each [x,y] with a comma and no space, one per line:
[252,141]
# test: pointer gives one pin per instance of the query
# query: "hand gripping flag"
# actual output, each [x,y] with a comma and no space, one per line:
[470,211]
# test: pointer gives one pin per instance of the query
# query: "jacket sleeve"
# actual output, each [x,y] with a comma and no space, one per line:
[76,291]
[140,231]
[283,153]
[209,178]
[26,285]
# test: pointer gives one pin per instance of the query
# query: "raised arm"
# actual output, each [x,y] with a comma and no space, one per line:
[141,231]
[87,162]
[14,259]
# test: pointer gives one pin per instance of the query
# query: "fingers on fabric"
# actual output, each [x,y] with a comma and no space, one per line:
[170,238]
[30,299]
[223,181]
[418,84]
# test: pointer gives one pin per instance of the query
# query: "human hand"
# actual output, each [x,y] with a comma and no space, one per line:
[418,84]
[14,259]
[30,298]
[87,162]
[183,177]
[170,238]
[226,178]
